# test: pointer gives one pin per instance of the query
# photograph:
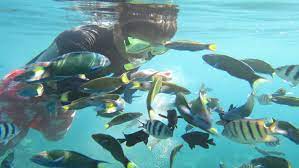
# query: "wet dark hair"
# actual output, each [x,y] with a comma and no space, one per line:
[150,22]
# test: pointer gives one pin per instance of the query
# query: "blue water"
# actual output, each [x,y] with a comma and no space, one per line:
[263,29]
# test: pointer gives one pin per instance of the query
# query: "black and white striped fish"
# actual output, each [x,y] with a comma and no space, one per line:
[252,131]
[157,129]
[7,132]
[289,73]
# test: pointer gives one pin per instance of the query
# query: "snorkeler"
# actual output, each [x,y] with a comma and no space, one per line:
[133,38]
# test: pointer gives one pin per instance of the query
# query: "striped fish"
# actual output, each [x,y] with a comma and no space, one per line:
[7,132]
[157,129]
[289,73]
[250,131]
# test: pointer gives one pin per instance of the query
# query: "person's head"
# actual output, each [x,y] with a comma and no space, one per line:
[154,23]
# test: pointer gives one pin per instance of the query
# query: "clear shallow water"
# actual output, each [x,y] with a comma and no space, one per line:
[267,30]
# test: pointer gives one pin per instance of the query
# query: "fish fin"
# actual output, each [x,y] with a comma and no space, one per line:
[213,131]
[107,126]
[211,142]
[256,82]
[125,78]
[82,76]
[212,47]
[58,160]
[65,96]
[163,116]
[131,165]
[274,128]
[130,66]
[270,138]
[66,107]
[136,85]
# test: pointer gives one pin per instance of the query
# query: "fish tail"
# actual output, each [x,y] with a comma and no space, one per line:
[212,47]
[125,78]
[131,165]
[275,129]
[65,97]
[66,107]
[136,85]
[211,142]
[256,82]
[213,131]
[107,126]
[39,73]
[40,90]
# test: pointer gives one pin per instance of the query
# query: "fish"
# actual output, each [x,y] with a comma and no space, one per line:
[111,108]
[286,100]
[201,114]
[8,161]
[199,118]
[65,159]
[198,138]
[110,144]
[66,66]
[268,153]
[8,131]
[187,45]
[157,129]
[167,87]
[291,130]
[172,118]
[252,131]
[105,85]
[155,89]
[122,118]
[148,74]
[68,97]
[235,68]
[31,90]
[289,73]
[260,66]
[236,113]
[271,161]
[134,138]
[173,153]
[91,101]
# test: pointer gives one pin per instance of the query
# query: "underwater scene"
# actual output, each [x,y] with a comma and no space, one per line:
[149,84]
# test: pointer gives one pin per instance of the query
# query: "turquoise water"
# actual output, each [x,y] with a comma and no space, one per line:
[266,30]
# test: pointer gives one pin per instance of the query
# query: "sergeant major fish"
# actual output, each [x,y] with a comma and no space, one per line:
[289,73]
[7,132]
[157,129]
[251,131]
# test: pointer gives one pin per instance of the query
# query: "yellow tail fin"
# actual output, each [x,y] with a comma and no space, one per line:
[107,126]
[131,165]
[136,85]
[125,78]
[212,47]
